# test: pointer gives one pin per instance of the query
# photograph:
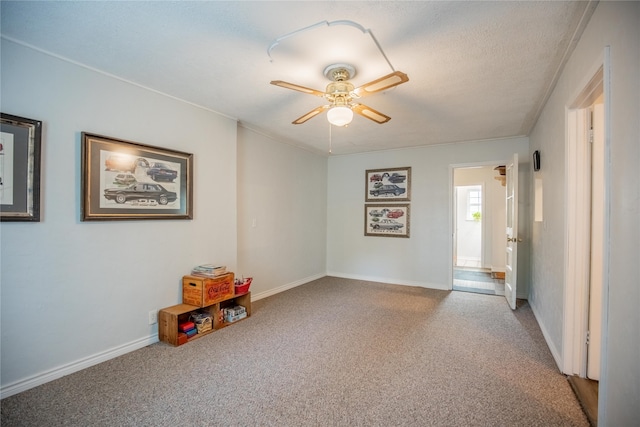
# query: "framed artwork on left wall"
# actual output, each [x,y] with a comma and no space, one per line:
[20,147]
[123,180]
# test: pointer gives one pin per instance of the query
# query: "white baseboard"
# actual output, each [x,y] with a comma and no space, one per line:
[59,372]
[270,292]
[470,259]
[554,351]
[427,285]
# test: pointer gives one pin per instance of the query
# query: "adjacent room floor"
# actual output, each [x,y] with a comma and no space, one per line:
[478,280]
[586,391]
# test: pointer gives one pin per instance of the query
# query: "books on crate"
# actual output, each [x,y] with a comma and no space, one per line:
[188,328]
[209,270]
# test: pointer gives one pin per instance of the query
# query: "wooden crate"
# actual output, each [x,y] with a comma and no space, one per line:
[205,291]
[168,320]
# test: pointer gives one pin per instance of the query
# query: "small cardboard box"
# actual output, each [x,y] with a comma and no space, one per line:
[206,291]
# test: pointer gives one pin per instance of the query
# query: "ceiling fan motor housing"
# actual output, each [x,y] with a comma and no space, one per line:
[339,93]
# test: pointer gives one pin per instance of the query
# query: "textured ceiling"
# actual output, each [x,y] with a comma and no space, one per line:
[477,70]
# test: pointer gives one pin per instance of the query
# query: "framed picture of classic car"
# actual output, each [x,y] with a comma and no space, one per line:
[392,184]
[124,180]
[20,147]
[387,220]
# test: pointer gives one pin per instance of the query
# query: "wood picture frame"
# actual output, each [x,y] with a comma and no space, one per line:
[388,220]
[391,184]
[20,151]
[123,180]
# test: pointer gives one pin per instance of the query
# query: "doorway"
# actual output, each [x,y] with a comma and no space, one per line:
[478,226]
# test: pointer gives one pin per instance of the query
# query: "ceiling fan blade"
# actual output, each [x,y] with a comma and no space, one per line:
[383,83]
[311,114]
[370,113]
[299,88]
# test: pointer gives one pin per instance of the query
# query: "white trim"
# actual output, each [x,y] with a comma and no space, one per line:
[577,238]
[427,285]
[113,76]
[575,38]
[61,371]
[574,352]
[286,287]
[557,355]
[80,364]
[461,258]
[606,251]
[452,223]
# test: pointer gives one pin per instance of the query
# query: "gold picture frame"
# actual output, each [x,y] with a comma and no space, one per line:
[388,220]
[123,180]
[388,185]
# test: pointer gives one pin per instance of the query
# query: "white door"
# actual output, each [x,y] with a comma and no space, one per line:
[511,274]
[597,243]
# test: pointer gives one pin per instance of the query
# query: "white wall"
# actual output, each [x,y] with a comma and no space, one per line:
[468,231]
[424,259]
[282,213]
[75,293]
[614,24]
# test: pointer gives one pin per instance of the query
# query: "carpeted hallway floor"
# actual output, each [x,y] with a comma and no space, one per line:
[332,352]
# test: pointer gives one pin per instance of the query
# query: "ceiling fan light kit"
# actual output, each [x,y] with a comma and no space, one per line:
[340,115]
[340,94]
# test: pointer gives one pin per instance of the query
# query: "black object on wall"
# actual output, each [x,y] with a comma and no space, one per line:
[536,160]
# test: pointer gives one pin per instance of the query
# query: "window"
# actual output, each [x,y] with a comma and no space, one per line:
[474,204]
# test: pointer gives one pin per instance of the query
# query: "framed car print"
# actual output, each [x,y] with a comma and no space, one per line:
[124,180]
[389,220]
[20,147]
[392,184]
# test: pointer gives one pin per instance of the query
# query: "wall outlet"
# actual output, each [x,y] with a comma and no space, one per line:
[153,317]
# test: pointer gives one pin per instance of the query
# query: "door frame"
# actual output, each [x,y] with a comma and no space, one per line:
[577,225]
[452,208]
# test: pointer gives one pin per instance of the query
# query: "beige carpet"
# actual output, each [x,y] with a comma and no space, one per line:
[333,352]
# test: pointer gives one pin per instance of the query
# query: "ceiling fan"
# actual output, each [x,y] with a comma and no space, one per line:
[341,95]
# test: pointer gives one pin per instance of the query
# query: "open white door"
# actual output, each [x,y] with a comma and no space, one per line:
[594,343]
[511,274]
